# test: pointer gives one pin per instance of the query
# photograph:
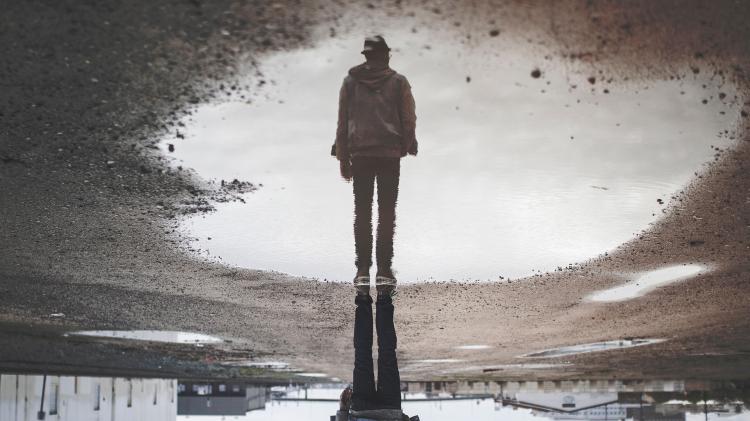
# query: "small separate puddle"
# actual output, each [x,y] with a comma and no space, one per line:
[473,347]
[592,347]
[646,283]
[523,166]
[270,365]
[317,375]
[152,336]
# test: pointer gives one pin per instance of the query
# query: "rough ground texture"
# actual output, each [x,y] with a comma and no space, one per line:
[88,207]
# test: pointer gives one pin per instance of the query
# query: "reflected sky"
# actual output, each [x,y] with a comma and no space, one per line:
[514,173]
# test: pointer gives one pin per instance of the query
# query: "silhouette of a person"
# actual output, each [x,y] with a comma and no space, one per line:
[365,401]
[376,128]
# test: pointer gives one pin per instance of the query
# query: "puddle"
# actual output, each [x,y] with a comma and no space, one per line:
[647,282]
[592,347]
[152,336]
[515,174]
[477,370]
[270,365]
[473,347]
[311,374]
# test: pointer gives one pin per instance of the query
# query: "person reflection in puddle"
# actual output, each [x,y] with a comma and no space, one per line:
[363,401]
[376,128]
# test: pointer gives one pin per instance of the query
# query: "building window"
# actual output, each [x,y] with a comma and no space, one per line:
[54,398]
[97,396]
[130,393]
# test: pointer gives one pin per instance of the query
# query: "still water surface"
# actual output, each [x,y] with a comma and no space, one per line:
[515,174]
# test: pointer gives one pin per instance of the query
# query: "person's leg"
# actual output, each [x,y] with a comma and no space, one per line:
[389,381]
[363,176]
[363,390]
[388,172]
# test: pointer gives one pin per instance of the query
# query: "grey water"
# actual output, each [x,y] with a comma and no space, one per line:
[515,174]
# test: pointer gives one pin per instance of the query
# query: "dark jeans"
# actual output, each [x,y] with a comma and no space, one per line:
[388,393]
[365,170]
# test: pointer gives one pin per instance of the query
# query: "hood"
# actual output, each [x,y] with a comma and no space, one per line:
[370,75]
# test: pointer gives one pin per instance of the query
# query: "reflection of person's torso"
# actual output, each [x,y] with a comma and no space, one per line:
[374,119]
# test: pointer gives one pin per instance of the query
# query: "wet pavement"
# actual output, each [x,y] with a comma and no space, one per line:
[25,397]
[518,171]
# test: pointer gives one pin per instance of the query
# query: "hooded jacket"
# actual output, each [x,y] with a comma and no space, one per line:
[376,114]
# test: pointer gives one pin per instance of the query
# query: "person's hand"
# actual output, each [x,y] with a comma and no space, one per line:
[412,149]
[346,399]
[346,169]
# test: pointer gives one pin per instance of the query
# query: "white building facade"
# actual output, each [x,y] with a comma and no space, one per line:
[73,398]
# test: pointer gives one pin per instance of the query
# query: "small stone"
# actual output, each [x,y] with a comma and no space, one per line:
[494,32]
[171,147]
[592,80]
[536,73]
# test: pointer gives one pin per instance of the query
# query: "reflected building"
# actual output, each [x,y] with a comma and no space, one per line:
[219,398]
[75,398]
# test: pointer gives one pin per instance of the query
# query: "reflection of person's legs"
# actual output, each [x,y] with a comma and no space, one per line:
[363,391]
[389,381]
[388,174]
[363,181]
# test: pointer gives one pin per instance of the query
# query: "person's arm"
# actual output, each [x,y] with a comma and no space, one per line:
[408,120]
[342,135]
[345,402]
[342,130]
